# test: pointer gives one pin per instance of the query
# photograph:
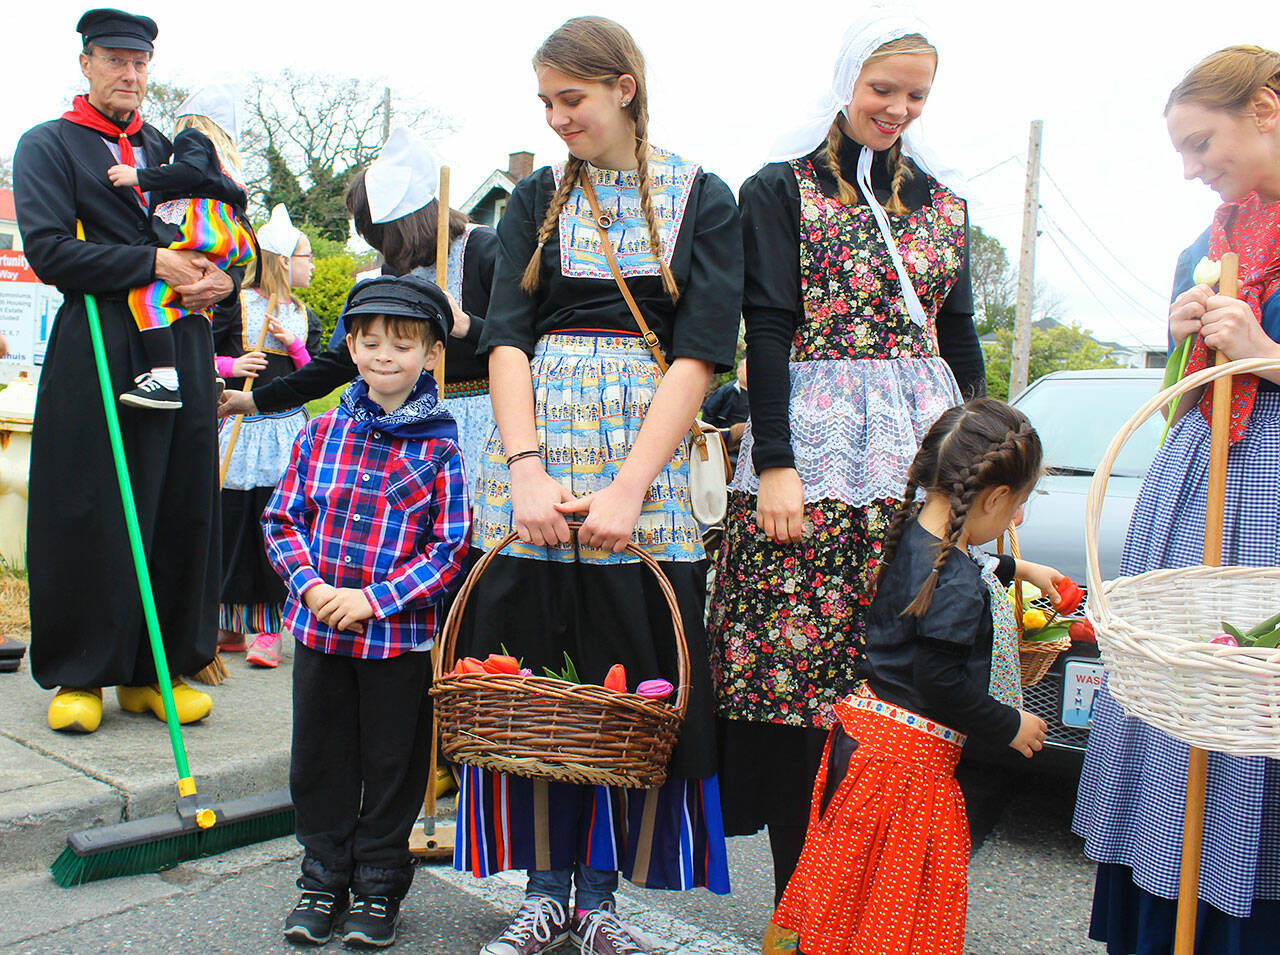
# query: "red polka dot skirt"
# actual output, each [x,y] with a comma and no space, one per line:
[884,869]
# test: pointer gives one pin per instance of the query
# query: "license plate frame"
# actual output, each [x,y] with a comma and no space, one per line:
[1081,679]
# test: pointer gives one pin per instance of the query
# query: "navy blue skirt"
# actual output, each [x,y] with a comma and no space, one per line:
[1134,922]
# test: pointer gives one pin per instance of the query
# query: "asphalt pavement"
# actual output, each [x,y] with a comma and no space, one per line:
[1029,885]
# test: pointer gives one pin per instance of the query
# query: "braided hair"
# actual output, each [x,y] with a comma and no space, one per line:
[598,50]
[981,444]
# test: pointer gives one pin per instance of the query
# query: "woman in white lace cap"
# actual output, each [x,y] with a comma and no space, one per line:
[847,209]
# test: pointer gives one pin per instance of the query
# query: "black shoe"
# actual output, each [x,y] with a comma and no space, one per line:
[311,921]
[151,394]
[371,922]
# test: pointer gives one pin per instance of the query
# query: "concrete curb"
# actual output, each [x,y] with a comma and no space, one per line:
[53,784]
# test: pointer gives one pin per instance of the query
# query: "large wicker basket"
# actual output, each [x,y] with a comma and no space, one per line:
[546,728]
[1152,627]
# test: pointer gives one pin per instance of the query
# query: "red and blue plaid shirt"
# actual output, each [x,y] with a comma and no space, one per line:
[361,508]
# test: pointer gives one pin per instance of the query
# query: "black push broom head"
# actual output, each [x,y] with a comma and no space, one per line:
[161,842]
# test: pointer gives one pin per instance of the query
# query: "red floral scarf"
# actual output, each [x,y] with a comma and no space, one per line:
[1251,229]
[82,114]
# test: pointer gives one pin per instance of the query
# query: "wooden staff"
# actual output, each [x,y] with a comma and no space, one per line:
[442,258]
[248,385]
[437,840]
[1215,505]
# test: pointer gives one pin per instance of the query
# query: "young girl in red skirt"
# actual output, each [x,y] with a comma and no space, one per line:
[884,864]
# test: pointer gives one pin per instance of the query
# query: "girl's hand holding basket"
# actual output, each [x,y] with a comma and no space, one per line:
[534,496]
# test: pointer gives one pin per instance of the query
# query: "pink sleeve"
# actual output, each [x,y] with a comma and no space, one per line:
[299,352]
[224,366]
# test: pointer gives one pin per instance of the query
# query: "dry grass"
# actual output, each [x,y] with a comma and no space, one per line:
[14,620]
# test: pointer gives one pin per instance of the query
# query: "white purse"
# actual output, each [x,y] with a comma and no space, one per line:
[709,471]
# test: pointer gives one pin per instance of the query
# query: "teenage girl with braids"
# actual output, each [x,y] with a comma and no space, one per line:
[588,427]
[884,863]
[848,366]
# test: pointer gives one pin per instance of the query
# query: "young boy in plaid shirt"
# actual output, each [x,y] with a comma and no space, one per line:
[368,528]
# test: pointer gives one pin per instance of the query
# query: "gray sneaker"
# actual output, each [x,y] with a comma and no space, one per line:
[601,932]
[540,925]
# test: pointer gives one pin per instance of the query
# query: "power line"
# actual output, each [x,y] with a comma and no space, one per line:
[1014,158]
[1092,291]
[1106,276]
[1098,238]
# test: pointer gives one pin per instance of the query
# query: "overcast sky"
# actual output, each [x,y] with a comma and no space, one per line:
[726,77]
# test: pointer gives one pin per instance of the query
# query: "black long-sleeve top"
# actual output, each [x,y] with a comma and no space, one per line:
[772,304]
[194,171]
[939,664]
[333,368]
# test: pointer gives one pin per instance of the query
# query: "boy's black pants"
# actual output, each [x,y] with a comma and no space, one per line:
[358,772]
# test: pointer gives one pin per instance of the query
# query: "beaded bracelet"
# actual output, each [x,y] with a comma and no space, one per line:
[513,458]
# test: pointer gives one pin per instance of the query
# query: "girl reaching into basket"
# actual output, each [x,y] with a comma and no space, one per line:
[1224,120]
[587,427]
[884,861]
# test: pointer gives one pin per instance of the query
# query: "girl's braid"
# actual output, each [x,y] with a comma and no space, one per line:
[646,205]
[831,155]
[899,524]
[901,173]
[963,491]
[529,281]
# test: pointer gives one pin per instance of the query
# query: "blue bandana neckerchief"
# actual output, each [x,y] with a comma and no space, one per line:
[421,416]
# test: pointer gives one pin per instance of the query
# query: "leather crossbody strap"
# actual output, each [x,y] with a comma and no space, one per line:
[650,339]
[602,223]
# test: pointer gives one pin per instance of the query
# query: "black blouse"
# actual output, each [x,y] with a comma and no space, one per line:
[937,665]
[706,263]
[195,171]
[772,303]
[333,368]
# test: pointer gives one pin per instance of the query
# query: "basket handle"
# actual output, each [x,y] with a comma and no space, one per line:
[453,623]
[1098,486]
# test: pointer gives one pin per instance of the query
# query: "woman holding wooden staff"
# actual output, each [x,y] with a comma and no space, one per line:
[1224,119]
[271,334]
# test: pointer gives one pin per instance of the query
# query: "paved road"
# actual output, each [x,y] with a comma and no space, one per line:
[1029,892]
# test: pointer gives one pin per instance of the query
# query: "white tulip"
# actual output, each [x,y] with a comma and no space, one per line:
[1207,272]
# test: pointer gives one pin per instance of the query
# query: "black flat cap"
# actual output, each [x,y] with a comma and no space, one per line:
[117,30]
[406,296]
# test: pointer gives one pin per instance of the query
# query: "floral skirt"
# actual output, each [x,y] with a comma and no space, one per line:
[884,866]
[787,622]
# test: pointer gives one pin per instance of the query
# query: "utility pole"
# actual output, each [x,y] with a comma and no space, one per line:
[1020,358]
[386,113]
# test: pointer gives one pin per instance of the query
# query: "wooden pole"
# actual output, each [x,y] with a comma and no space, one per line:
[248,386]
[1020,353]
[1198,759]
[442,255]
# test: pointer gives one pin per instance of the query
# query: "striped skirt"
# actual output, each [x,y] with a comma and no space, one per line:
[1133,785]
[206,226]
[884,866]
[665,838]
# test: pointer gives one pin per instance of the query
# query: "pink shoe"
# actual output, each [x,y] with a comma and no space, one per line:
[231,642]
[264,651]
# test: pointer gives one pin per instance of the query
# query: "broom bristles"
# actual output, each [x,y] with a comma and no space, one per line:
[70,868]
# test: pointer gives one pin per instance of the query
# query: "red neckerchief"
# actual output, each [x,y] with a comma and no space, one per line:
[1251,229]
[82,114]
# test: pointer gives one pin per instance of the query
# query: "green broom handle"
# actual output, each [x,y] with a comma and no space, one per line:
[135,540]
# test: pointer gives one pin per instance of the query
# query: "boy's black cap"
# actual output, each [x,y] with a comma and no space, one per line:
[117,30]
[406,296]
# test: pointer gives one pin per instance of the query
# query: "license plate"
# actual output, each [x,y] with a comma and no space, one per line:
[1080,680]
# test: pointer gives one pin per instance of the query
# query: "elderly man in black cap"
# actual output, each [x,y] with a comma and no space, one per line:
[87,627]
